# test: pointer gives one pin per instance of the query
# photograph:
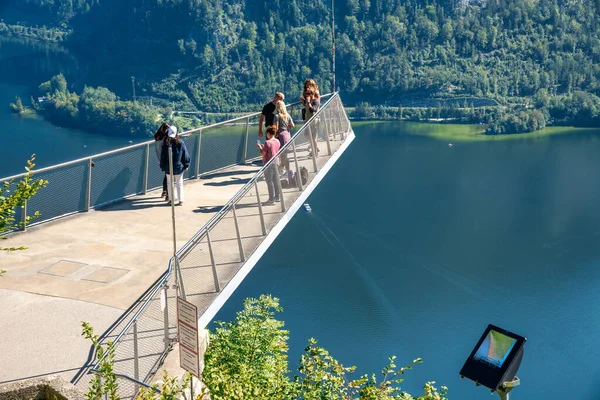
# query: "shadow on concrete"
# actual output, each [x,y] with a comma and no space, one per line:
[116,188]
[138,204]
[233,181]
[228,173]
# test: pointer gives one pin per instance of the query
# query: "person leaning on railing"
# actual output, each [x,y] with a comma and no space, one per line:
[181,162]
[159,138]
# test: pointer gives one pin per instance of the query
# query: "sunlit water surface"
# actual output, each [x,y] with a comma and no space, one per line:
[413,247]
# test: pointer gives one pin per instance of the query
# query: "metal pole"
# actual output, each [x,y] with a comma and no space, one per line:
[212,261]
[279,186]
[179,279]
[325,118]
[237,231]
[133,86]
[24,216]
[88,194]
[192,387]
[260,211]
[298,177]
[245,154]
[166,316]
[198,155]
[312,145]
[145,188]
[178,276]
[333,46]
[136,361]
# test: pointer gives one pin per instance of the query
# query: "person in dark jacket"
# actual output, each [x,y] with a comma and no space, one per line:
[159,138]
[181,162]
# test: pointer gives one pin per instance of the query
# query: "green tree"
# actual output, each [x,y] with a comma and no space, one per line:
[104,382]
[247,358]
[13,195]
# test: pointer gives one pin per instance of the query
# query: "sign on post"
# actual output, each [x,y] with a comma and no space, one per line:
[187,328]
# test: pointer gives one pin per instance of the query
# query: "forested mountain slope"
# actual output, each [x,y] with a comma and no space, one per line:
[224,54]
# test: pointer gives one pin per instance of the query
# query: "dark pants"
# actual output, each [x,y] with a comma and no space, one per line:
[165,183]
[272,184]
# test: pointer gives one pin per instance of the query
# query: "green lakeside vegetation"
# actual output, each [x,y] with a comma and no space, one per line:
[453,132]
[247,358]
[535,64]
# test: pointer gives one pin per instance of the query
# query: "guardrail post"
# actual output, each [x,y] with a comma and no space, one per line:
[260,210]
[237,231]
[136,360]
[198,155]
[297,175]
[326,121]
[279,186]
[88,194]
[145,187]
[166,316]
[245,153]
[24,216]
[312,145]
[212,261]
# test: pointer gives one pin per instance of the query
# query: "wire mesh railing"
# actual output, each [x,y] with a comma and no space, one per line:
[102,179]
[210,260]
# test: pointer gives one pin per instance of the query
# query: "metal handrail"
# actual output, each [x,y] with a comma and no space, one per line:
[219,215]
[160,282]
[135,146]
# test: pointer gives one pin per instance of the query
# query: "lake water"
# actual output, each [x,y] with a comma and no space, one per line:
[24,64]
[414,247]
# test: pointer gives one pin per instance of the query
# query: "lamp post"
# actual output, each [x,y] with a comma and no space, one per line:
[133,86]
[178,277]
[333,45]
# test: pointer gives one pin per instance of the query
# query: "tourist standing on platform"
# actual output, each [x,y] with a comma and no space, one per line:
[268,113]
[159,138]
[283,123]
[311,85]
[181,162]
[268,150]
[312,103]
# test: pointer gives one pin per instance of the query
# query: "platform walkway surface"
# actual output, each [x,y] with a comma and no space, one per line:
[92,266]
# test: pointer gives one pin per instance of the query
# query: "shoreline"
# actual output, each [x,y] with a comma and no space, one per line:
[470,132]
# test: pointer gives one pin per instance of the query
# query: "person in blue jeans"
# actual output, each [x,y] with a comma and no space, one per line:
[268,150]
[181,162]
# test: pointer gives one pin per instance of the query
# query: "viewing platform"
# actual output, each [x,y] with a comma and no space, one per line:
[111,262]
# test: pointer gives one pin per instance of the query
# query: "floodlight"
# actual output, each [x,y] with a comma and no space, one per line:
[494,361]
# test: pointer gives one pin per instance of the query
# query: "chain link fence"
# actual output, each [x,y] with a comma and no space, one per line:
[210,260]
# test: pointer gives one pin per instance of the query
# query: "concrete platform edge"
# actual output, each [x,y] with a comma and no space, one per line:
[235,282]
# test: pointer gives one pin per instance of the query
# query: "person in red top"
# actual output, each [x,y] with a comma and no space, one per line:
[268,150]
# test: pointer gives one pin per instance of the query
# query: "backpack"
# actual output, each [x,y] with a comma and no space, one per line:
[291,180]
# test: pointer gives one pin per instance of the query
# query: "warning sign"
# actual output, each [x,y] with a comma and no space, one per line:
[187,327]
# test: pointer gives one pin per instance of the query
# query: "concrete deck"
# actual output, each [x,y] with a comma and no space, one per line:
[92,266]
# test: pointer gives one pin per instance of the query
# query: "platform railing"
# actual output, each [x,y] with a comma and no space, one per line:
[212,258]
[93,182]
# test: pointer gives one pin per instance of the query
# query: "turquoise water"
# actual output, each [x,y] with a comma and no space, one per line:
[23,66]
[413,247]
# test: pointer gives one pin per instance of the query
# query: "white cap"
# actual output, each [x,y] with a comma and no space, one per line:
[172,131]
